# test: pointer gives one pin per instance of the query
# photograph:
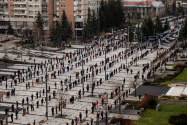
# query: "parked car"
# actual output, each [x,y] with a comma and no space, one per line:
[166,41]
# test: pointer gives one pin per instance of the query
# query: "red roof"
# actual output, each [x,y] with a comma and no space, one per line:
[147,2]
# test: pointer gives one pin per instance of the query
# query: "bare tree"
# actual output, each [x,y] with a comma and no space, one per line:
[62,97]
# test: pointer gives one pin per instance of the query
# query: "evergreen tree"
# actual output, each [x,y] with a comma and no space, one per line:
[150,26]
[56,34]
[86,34]
[102,18]
[10,30]
[166,25]
[89,22]
[131,33]
[39,22]
[183,31]
[69,30]
[158,25]
[64,27]
[144,28]
[94,24]
[64,21]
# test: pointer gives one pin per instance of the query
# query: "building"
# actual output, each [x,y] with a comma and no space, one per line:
[146,8]
[22,13]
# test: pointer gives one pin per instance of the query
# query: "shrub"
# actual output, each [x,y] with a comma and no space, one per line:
[144,101]
[152,101]
[178,119]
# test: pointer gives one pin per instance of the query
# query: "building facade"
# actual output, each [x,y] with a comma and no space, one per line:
[146,8]
[22,13]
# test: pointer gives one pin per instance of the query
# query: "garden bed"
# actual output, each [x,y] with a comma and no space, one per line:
[131,104]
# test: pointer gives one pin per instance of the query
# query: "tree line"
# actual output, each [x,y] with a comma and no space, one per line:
[151,28]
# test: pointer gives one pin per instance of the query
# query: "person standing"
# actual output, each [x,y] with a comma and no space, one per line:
[91,121]
[80,116]
[52,110]
[6,120]
[12,117]
[102,114]
[56,109]
[86,112]
[16,114]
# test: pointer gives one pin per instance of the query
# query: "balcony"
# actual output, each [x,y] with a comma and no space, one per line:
[20,2]
[20,14]
[20,8]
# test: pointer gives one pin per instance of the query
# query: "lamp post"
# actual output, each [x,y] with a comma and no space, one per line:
[46,94]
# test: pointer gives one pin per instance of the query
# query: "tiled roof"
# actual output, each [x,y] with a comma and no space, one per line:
[137,2]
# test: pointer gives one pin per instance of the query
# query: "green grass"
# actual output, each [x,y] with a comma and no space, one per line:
[174,100]
[159,75]
[0,75]
[170,64]
[152,117]
[182,77]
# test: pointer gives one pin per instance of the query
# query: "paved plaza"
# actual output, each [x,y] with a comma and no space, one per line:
[79,106]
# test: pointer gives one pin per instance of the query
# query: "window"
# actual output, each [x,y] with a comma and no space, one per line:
[36,0]
[12,11]
[36,5]
[29,0]
[61,11]
[78,5]
[17,5]
[78,24]
[30,11]
[24,24]
[57,5]
[57,0]
[12,16]
[30,5]
[36,11]
[30,16]
[57,11]
[62,5]
[62,0]
[11,0]
[11,5]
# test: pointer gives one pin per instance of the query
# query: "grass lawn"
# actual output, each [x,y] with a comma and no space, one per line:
[152,117]
[159,75]
[182,77]
[170,64]
[174,100]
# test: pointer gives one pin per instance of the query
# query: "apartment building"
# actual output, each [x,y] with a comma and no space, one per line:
[22,13]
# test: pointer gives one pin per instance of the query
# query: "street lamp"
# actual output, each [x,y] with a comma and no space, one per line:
[46,94]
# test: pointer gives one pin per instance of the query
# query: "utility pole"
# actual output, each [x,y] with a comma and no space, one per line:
[141,44]
[46,95]
[105,64]
[126,47]
[82,76]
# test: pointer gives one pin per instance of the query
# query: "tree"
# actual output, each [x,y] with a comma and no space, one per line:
[152,101]
[64,27]
[144,28]
[131,34]
[183,31]
[39,22]
[64,21]
[158,25]
[94,24]
[10,29]
[69,29]
[178,119]
[102,18]
[166,25]
[150,26]
[62,98]
[57,34]
[86,33]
